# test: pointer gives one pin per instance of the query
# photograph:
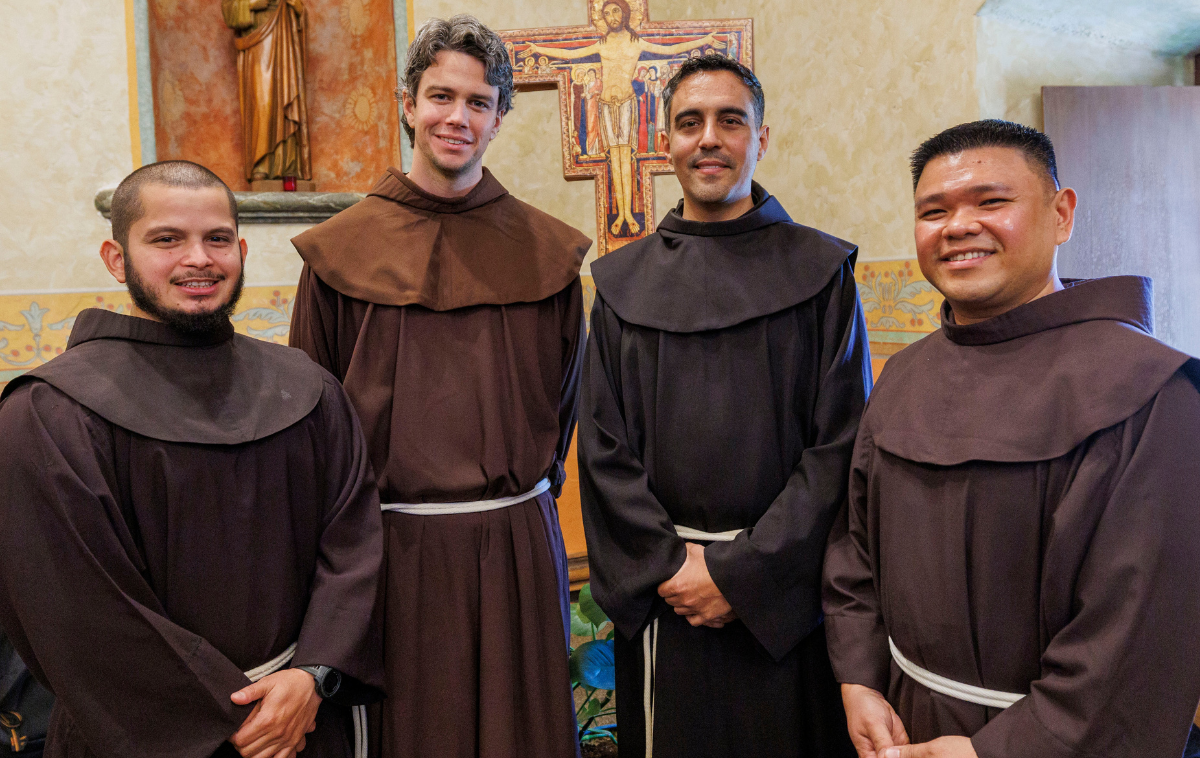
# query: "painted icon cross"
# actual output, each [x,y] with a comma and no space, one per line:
[610,76]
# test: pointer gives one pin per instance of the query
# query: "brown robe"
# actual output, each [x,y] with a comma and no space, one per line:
[456,327]
[177,510]
[1022,517]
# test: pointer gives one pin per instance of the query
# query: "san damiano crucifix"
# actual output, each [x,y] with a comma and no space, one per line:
[610,76]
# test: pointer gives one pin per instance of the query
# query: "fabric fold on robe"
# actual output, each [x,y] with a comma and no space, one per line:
[1029,528]
[140,577]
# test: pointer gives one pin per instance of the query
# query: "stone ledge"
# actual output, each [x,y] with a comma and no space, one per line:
[272,207]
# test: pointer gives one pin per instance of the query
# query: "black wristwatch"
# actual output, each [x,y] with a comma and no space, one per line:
[328,680]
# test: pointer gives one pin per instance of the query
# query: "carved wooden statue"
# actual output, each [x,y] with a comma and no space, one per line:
[271,51]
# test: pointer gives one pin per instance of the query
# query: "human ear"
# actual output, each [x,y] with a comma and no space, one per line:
[1064,209]
[114,259]
[764,136]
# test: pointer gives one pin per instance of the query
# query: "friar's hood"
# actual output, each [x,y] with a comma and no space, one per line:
[404,246]
[693,276]
[1030,384]
[215,389]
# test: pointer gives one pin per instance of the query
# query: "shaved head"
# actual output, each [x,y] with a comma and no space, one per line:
[127,198]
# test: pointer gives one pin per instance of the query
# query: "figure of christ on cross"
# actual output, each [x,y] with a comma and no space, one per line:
[620,49]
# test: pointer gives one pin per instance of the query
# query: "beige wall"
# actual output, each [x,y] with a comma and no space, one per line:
[852,87]
[64,133]
[1016,60]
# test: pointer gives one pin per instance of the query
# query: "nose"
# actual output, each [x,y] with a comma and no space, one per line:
[710,138]
[962,222]
[196,255]
[456,115]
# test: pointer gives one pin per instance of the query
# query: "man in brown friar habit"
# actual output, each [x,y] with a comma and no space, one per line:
[452,312]
[1016,573]
[188,512]
[725,375]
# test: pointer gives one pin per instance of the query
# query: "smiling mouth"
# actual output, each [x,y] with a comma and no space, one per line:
[453,141]
[197,284]
[967,256]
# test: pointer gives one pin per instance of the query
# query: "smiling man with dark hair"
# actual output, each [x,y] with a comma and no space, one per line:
[726,371]
[191,537]
[1015,574]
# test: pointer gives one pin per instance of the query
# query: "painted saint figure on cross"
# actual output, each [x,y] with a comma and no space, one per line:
[628,59]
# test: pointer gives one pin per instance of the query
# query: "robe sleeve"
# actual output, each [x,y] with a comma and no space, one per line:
[854,627]
[316,323]
[771,574]
[574,341]
[632,547]
[76,605]
[339,629]
[1121,678]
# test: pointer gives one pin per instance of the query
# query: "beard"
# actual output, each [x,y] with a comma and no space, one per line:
[188,323]
[451,171]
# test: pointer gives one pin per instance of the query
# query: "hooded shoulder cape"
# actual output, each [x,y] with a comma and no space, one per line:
[964,392]
[692,276]
[402,246]
[215,389]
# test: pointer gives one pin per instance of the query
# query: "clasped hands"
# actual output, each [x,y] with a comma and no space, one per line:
[285,712]
[693,594]
[876,730]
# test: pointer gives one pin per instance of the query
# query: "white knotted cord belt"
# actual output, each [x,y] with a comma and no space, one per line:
[968,692]
[359,712]
[475,506]
[650,636]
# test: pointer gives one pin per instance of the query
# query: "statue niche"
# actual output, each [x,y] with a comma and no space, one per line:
[271,53]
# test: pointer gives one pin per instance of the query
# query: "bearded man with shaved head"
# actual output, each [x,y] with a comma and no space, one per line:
[191,536]
[1015,573]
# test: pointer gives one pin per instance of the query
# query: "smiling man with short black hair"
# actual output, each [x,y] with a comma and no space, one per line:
[191,537]
[1016,572]
[726,371]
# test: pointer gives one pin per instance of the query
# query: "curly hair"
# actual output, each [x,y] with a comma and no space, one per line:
[464,34]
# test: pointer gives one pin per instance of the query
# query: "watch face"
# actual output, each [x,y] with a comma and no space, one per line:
[330,683]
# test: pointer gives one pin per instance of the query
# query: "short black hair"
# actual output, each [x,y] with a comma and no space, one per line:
[991,132]
[715,62]
[127,198]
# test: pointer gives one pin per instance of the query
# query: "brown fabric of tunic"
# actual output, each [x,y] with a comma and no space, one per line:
[139,577]
[1022,517]
[463,362]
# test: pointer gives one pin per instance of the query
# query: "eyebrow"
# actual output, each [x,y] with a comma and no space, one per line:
[723,112]
[488,98]
[978,189]
[165,229]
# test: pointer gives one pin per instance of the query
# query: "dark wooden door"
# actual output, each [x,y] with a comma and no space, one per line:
[1131,154]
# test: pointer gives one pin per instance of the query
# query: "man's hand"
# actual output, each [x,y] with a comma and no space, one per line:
[286,711]
[942,747]
[874,726]
[692,593]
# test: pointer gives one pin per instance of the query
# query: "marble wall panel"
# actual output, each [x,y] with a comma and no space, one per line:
[353,121]
[194,79]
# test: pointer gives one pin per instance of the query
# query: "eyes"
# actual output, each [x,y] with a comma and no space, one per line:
[167,239]
[989,203]
[730,122]
[477,104]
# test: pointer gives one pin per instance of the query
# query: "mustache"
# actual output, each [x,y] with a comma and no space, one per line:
[711,155]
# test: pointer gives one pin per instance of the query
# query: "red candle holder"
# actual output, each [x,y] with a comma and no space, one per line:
[289,184]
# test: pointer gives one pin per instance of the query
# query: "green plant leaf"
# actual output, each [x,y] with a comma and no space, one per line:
[580,626]
[588,607]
